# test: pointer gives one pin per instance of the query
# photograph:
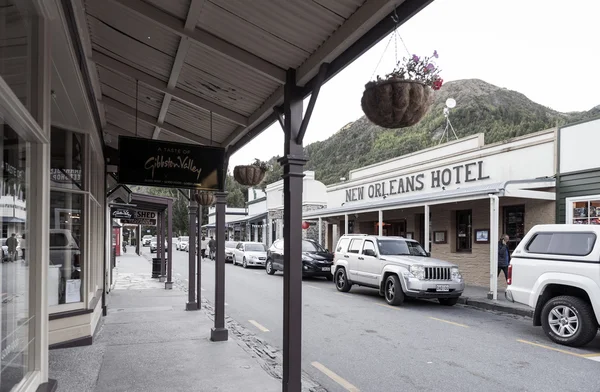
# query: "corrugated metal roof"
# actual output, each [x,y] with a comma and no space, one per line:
[230,57]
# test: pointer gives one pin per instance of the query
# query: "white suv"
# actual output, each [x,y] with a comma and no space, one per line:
[397,267]
[555,269]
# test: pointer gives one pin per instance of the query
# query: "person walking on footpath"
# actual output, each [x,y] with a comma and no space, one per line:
[11,244]
[503,256]
[212,245]
[203,245]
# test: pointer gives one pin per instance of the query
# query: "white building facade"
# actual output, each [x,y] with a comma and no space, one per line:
[470,193]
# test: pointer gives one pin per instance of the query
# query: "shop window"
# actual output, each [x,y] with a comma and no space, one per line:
[68,207]
[16,332]
[15,47]
[514,225]
[586,212]
[463,231]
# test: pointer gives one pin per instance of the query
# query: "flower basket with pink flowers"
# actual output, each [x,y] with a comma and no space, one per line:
[404,96]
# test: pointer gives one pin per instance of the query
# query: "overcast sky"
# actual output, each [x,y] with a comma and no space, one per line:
[548,50]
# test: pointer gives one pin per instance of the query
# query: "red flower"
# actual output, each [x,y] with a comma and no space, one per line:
[437,84]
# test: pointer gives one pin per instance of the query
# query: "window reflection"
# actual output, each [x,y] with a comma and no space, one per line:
[15,315]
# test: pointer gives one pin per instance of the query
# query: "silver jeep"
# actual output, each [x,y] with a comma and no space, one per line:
[397,267]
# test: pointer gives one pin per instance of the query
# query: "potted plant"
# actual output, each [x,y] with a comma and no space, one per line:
[205,198]
[404,96]
[251,175]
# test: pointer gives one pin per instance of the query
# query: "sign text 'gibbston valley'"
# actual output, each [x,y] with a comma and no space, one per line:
[181,162]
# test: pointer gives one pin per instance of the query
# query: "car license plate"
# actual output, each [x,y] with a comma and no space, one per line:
[325,269]
[442,287]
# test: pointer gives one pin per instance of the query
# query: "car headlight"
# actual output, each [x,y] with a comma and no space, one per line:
[307,258]
[418,271]
[456,273]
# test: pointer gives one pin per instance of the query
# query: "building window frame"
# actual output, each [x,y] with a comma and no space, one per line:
[506,210]
[464,231]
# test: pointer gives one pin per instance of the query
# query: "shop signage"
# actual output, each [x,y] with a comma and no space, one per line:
[173,165]
[465,173]
[130,216]
[65,176]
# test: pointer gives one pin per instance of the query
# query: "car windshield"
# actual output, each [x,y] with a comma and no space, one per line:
[309,246]
[230,244]
[393,247]
[255,248]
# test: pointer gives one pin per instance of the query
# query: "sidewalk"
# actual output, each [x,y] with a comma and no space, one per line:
[148,342]
[477,297]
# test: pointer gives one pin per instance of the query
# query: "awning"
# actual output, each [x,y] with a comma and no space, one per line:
[506,188]
[246,219]
[12,220]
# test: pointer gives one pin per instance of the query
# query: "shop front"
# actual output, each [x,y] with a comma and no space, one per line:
[578,178]
[455,199]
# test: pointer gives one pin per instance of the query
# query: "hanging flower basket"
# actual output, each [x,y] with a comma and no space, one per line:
[205,198]
[251,175]
[403,97]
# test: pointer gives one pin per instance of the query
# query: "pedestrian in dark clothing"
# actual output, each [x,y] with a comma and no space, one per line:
[212,245]
[503,255]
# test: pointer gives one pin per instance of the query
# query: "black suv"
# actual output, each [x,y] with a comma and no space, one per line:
[316,260]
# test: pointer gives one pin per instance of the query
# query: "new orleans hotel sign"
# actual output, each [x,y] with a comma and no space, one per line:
[464,173]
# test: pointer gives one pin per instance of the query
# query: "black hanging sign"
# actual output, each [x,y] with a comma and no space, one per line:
[131,216]
[174,165]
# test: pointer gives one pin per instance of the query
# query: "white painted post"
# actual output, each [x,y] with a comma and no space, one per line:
[380,223]
[264,232]
[426,223]
[494,247]
[346,224]
[320,234]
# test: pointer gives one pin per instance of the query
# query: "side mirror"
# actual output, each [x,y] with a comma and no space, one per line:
[428,254]
[370,252]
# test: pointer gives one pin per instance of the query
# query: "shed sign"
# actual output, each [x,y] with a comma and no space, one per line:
[131,216]
[465,173]
[173,165]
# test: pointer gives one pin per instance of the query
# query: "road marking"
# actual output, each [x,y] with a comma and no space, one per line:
[313,287]
[592,356]
[389,306]
[345,384]
[257,325]
[449,322]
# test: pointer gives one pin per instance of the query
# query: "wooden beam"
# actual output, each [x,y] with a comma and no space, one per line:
[152,121]
[157,84]
[205,39]
[318,82]
[365,17]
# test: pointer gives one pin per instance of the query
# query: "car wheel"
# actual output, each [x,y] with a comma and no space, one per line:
[244,264]
[341,281]
[329,277]
[569,321]
[448,301]
[393,291]
[269,267]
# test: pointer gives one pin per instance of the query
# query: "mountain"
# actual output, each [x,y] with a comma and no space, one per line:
[480,107]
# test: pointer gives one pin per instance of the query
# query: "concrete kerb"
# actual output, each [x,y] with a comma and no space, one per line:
[494,306]
[268,357]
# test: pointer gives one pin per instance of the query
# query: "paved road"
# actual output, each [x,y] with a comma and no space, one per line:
[421,346]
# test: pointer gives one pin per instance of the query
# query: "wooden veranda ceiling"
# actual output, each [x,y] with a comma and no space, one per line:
[210,71]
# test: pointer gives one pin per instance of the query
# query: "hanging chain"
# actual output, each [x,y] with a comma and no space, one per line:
[137,92]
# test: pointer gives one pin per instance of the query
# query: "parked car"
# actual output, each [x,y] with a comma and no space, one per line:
[229,249]
[250,254]
[182,242]
[397,267]
[154,243]
[316,260]
[556,271]
[146,240]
